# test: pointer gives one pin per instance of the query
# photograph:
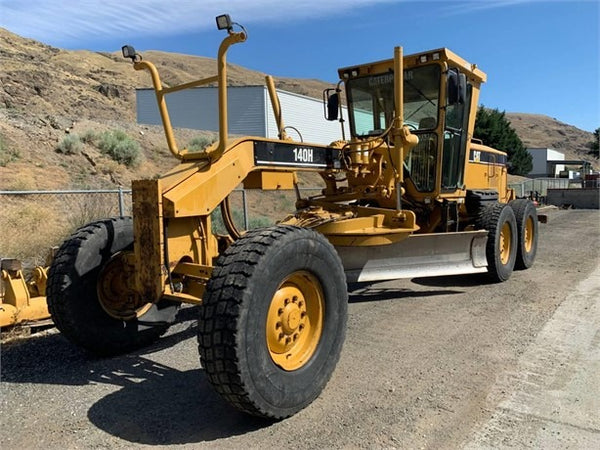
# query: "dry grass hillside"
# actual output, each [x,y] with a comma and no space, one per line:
[539,131]
[47,92]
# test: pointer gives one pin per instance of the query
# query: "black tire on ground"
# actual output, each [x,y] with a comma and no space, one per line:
[281,279]
[72,292]
[501,247]
[527,227]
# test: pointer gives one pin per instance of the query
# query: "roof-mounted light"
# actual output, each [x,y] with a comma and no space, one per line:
[436,56]
[351,73]
[423,58]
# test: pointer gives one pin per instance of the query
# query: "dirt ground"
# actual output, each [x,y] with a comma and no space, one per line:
[452,362]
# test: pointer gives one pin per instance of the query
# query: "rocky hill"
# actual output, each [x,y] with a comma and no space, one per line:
[47,93]
[539,131]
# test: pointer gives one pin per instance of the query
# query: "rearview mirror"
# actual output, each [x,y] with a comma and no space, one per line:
[456,87]
[333,104]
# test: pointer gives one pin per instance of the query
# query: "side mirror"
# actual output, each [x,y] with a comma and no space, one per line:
[456,87]
[332,102]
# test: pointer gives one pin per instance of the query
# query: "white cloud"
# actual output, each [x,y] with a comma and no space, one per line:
[66,21]
[473,6]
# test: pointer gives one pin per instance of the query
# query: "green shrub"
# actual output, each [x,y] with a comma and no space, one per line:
[7,154]
[89,137]
[120,147]
[70,145]
[199,143]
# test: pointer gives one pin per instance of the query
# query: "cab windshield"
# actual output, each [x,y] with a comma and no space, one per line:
[371,101]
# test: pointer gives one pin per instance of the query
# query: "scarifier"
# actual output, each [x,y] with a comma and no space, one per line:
[408,194]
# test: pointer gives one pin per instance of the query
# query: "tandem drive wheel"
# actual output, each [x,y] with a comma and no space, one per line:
[527,227]
[501,247]
[273,320]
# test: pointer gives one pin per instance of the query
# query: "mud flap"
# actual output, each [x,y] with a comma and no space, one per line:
[422,255]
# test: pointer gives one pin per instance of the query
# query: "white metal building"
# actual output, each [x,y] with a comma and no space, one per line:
[541,158]
[249,109]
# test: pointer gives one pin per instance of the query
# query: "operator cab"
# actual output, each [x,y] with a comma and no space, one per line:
[440,100]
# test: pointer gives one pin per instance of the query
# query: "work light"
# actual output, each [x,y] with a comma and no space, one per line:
[128,51]
[224,22]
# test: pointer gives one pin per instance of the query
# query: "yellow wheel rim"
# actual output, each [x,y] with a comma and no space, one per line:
[528,235]
[295,320]
[115,292]
[505,241]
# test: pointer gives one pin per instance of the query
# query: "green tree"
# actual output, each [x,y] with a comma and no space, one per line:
[493,128]
[595,144]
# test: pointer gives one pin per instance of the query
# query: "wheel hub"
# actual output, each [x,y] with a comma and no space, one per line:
[505,241]
[115,294]
[528,235]
[291,318]
[294,321]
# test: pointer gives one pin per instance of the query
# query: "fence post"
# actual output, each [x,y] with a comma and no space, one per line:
[121,202]
[245,207]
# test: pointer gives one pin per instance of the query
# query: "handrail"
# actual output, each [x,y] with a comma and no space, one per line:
[276,106]
[232,38]
[220,78]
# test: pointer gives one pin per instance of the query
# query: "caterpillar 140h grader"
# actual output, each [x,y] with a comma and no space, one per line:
[407,194]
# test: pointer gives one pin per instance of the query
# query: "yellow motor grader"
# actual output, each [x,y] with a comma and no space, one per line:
[407,194]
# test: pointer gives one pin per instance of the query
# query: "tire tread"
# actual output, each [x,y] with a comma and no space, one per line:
[221,309]
[60,276]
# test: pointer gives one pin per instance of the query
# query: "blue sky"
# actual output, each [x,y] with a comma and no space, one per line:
[540,56]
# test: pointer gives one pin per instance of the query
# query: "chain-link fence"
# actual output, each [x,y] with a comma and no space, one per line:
[539,186]
[32,222]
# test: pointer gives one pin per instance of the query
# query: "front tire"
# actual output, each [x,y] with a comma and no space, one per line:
[89,292]
[501,247]
[527,227]
[273,320]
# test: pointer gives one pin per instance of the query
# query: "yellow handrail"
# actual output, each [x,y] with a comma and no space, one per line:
[276,106]
[220,78]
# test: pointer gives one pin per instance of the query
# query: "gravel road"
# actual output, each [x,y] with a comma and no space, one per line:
[452,362]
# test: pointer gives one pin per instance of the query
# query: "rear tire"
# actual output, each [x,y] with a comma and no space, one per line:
[527,227]
[75,285]
[501,247]
[273,320]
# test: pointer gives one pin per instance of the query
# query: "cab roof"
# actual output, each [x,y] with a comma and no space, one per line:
[415,60]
